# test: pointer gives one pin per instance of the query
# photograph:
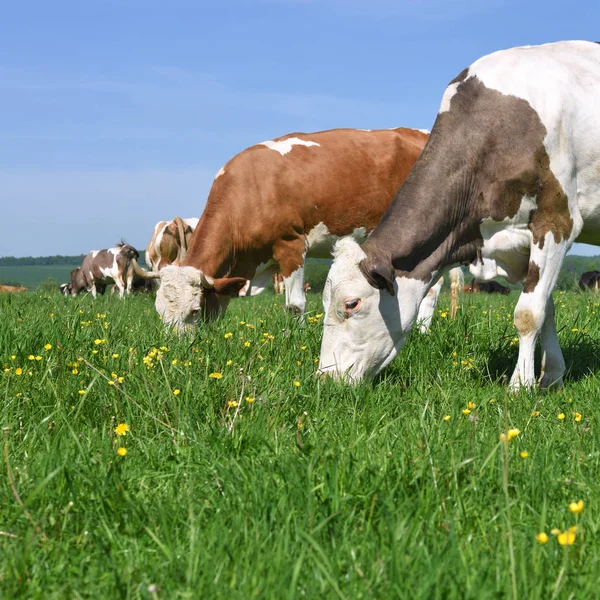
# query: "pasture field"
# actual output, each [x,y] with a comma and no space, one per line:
[33,275]
[245,476]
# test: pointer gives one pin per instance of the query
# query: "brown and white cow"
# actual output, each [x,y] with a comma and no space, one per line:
[509,179]
[590,280]
[170,242]
[276,203]
[12,289]
[488,287]
[100,268]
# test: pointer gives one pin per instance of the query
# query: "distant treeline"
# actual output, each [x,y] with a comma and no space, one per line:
[31,261]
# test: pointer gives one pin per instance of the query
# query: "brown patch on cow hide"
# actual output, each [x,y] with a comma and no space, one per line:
[525,322]
[533,277]
[483,156]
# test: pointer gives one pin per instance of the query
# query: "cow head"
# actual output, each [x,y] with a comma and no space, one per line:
[77,284]
[187,294]
[368,313]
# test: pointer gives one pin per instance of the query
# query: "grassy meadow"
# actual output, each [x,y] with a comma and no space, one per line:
[139,465]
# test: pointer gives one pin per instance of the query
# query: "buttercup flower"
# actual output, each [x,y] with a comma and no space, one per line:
[216,375]
[566,538]
[48,347]
[577,417]
[121,451]
[18,371]
[542,537]
[576,507]
[555,531]
[297,383]
[250,400]
[122,429]
[561,416]
[228,335]
[447,418]
[176,392]
[232,403]
[471,405]
[524,454]
[466,411]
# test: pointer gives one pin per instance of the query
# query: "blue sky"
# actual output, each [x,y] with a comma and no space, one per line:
[117,114]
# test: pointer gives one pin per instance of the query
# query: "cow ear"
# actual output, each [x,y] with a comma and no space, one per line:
[379,275]
[229,286]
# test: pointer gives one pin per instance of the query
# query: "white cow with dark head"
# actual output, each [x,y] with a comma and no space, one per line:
[508,180]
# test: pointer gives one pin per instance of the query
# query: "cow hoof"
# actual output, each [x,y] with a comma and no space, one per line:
[551,381]
[294,310]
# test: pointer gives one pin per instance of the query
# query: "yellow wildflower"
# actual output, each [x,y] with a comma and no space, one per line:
[471,405]
[514,432]
[31,357]
[566,538]
[110,382]
[466,411]
[18,371]
[555,531]
[38,357]
[246,344]
[122,429]
[542,537]
[94,351]
[577,417]
[176,392]
[216,375]
[300,425]
[228,335]
[232,403]
[561,416]
[115,355]
[48,347]
[524,454]
[121,451]
[249,399]
[81,392]
[303,348]
[297,383]
[447,418]
[229,363]
[75,371]
[576,507]
[535,413]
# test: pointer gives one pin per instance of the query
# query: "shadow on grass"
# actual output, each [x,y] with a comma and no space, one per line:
[581,353]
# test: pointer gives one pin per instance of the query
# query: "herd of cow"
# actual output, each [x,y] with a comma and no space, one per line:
[506,181]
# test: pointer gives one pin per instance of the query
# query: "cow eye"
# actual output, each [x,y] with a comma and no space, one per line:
[194,312]
[350,305]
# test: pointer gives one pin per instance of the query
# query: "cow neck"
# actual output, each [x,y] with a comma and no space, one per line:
[432,221]
[211,248]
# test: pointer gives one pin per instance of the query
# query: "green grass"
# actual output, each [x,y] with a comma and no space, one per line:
[315,490]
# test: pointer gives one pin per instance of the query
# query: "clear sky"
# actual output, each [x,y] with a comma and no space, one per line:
[115,114]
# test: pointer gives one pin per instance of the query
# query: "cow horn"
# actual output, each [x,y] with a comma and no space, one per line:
[206,280]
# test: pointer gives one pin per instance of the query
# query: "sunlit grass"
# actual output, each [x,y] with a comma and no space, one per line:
[218,466]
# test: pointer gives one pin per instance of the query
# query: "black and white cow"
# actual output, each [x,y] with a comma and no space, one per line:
[100,268]
[508,180]
[589,280]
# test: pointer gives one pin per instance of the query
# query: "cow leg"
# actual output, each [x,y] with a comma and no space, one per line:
[290,255]
[553,363]
[428,305]
[262,278]
[532,307]
[93,289]
[121,285]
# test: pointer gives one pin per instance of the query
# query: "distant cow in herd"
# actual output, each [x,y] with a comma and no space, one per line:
[276,203]
[487,287]
[12,289]
[590,280]
[170,242]
[100,268]
[509,179]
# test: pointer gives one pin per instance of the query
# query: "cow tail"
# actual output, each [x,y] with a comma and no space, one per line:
[457,281]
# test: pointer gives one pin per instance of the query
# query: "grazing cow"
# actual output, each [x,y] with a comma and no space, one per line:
[12,289]
[307,287]
[169,242]
[509,179]
[116,265]
[278,284]
[590,280]
[276,203]
[488,287]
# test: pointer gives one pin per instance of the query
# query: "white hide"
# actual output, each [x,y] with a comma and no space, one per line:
[360,342]
[179,294]
[220,172]
[285,146]
[427,306]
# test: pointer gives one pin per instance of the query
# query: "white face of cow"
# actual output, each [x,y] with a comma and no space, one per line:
[179,297]
[364,327]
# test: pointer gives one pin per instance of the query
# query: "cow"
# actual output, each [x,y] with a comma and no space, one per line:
[12,289]
[278,284]
[100,268]
[589,280]
[278,202]
[508,180]
[488,287]
[169,242]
